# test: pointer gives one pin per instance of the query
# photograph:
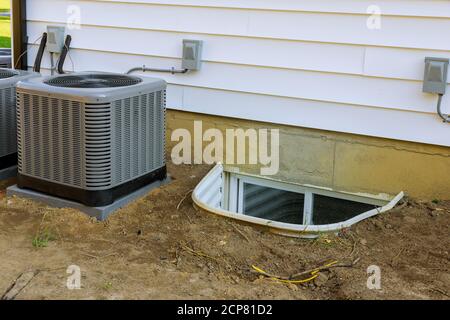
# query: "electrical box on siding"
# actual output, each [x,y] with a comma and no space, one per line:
[192,54]
[435,78]
[55,38]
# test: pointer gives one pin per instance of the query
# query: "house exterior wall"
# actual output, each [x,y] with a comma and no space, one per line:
[313,64]
[309,67]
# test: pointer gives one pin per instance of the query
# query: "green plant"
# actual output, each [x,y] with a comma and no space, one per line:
[42,239]
[5,32]
[5,5]
[108,285]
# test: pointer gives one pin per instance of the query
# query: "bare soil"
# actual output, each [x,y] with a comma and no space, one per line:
[151,250]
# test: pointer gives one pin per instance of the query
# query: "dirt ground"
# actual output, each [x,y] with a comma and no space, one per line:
[151,250]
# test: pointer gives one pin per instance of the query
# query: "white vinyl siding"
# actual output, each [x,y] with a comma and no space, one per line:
[306,63]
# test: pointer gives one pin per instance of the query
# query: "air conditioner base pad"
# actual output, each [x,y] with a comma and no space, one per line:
[7,173]
[100,213]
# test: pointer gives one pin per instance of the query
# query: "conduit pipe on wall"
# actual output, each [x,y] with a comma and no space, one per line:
[145,69]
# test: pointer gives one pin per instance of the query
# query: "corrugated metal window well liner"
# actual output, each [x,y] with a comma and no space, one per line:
[286,208]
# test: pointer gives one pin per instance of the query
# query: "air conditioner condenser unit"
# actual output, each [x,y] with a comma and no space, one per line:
[8,133]
[91,137]
[5,58]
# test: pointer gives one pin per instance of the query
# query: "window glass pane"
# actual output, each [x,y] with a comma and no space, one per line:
[332,210]
[273,204]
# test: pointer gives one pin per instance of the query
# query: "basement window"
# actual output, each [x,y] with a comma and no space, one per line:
[286,208]
[273,204]
[333,210]
[290,203]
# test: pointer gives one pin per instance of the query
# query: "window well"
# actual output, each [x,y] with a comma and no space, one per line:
[286,208]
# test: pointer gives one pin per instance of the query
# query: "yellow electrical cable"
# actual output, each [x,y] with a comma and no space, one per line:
[298,281]
[314,273]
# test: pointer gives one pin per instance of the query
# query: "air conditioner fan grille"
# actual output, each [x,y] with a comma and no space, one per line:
[93,81]
[4,73]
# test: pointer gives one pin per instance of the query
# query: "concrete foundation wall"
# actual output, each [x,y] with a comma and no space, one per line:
[341,161]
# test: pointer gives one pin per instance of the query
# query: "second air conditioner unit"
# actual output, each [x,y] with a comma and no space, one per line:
[8,133]
[91,137]
[5,58]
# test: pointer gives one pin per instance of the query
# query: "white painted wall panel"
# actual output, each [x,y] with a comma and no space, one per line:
[395,31]
[331,87]
[398,63]
[138,16]
[228,49]
[305,63]
[421,8]
[311,26]
[328,57]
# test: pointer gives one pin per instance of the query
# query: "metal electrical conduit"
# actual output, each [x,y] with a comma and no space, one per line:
[444,117]
[145,69]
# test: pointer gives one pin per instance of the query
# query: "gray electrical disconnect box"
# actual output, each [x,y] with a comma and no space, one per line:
[55,38]
[435,78]
[192,54]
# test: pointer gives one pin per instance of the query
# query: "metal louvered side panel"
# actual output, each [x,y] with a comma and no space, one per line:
[8,144]
[121,140]
[50,139]
[138,136]
[98,148]
[160,125]
[150,132]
